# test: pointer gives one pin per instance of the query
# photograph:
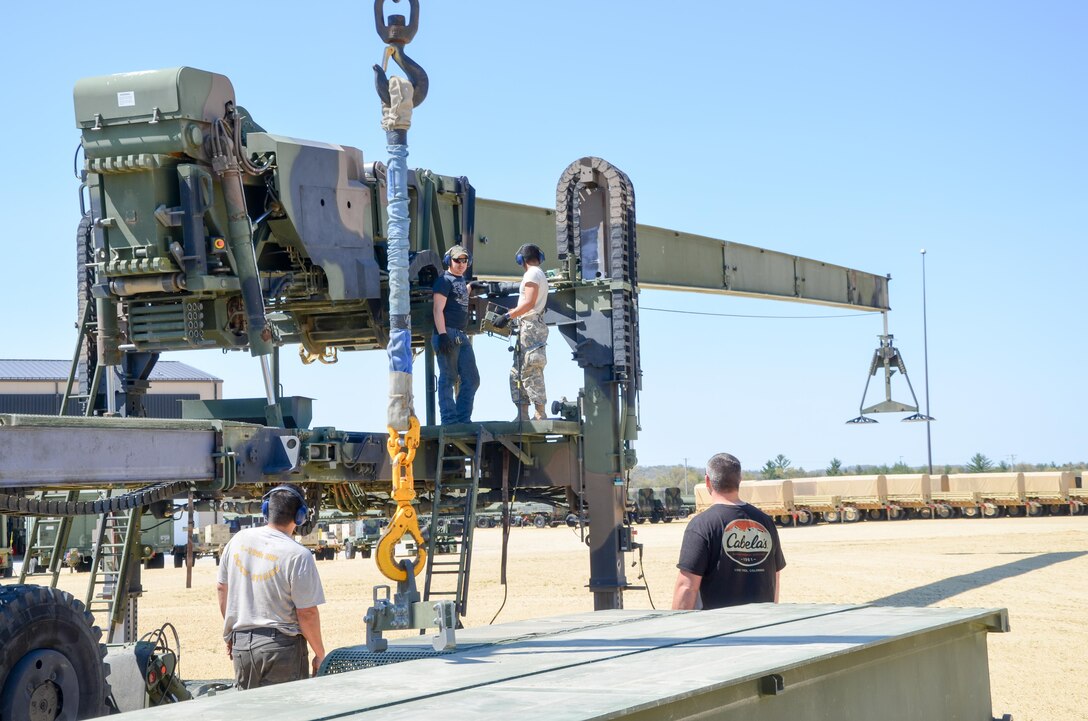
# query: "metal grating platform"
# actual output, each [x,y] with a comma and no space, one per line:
[354,658]
[757,663]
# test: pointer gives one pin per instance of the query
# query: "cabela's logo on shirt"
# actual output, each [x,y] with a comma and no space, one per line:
[746,542]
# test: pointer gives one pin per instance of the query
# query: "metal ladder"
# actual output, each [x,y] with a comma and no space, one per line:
[453,514]
[108,596]
[36,550]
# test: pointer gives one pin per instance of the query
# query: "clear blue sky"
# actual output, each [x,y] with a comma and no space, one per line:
[851,132]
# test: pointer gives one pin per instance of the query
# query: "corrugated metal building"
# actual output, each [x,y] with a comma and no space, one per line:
[37,387]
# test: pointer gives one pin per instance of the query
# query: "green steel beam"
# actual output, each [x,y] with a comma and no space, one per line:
[672,260]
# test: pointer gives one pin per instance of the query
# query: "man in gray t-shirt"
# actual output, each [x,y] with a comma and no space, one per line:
[269,592]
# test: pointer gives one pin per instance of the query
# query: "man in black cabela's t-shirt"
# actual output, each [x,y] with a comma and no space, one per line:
[730,554]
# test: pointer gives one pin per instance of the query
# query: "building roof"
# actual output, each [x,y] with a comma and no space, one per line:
[57,370]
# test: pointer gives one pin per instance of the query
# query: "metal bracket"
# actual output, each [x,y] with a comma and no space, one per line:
[407,611]
[771,685]
[521,455]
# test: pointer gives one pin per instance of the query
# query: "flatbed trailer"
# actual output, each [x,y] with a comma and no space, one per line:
[760,662]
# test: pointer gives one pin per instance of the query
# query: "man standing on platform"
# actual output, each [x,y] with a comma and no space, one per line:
[530,353]
[458,377]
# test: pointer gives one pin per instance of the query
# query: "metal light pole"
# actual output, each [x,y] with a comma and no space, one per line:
[925,354]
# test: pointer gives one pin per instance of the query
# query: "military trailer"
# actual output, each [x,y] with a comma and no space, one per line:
[1078,492]
[913,492]
[998,494]
[775,497]
[859,497]
[1049,492]
[813,501]
[964,502]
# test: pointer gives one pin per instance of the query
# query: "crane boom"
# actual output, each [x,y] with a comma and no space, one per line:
[674,260]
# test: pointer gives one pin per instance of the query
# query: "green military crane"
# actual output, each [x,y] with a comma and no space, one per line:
[202,229]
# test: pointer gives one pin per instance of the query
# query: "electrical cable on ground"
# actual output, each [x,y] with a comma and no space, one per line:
[642,577]
[162,645]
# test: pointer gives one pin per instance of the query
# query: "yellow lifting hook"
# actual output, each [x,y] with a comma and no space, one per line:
[405,520]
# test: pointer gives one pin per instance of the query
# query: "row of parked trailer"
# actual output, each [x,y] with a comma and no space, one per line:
[804,501]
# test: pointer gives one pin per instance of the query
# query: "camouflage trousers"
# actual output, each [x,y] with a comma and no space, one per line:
[530,357]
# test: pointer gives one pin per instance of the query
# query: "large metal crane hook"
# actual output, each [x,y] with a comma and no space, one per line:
[887,358]
[396,33]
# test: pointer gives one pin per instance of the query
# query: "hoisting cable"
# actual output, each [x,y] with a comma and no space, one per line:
[399,97]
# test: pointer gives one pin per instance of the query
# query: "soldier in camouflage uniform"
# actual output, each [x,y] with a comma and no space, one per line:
[530,355]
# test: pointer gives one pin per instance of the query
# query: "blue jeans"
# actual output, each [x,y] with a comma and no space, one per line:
[457,376]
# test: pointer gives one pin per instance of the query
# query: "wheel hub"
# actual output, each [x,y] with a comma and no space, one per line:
[44,702]
[37,688]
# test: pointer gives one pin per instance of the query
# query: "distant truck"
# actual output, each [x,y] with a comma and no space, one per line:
[537,515]
[648,507]
[368,531]
[156,540]
[322,542]
[207,541]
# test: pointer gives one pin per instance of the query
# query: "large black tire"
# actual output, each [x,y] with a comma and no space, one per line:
[540,521]
[50,655]
[179,559]
[156,561]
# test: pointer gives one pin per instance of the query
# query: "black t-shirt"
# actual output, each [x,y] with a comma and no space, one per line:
[736,551]
[455,289]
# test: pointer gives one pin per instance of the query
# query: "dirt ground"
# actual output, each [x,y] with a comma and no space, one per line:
[1037,568]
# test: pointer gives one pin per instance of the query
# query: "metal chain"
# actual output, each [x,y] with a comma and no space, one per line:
[25,506]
